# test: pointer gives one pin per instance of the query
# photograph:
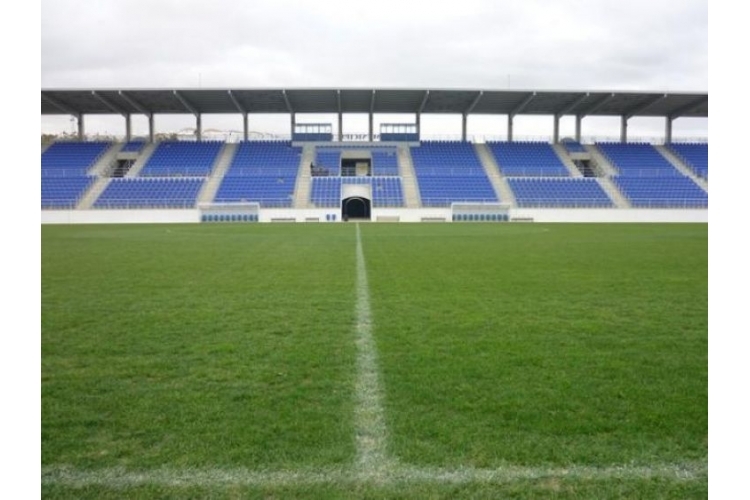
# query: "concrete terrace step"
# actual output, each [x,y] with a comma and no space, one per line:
[143,157]
[93,193]
[106,162]
[499,183]
[681,167]
[303,184]
[562,153]
[220,167]
[409,183]
[609,187]
[599,161]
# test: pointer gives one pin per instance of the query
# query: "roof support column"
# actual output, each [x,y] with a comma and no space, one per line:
[521,106]
[579,119]
[370,127]
[510,128]
[636,111]
[245,127]
[294,123]
[419,128]
[151,133]
[468,110]
[128,127]
[566,110]
[81,128]
[195,112]
[556,130]
[341,127]
[668,129]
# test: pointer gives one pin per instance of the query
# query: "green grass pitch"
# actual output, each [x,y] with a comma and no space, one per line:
[232,348]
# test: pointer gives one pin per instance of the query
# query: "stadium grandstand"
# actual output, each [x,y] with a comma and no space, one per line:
[393,175]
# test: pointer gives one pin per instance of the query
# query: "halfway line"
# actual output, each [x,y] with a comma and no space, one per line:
[369,420]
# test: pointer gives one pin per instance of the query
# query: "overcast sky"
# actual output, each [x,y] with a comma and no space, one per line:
[485,44]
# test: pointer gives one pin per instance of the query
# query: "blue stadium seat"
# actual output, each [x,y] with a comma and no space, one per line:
[261,171]
[450,172]
[528,159]
[182,159]
[695,156]
[558,192]
[637,160]
[150,193]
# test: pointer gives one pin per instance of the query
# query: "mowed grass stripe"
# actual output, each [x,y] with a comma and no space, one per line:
[195,346]
[541,344]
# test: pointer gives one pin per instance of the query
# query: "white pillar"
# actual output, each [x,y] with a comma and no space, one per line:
[556,130]
[198,127]
[510,128]
[463,127]
[623,129]
[128,127]
[245,128]
[579,119]
[668,130]
[81,128]
[151,132]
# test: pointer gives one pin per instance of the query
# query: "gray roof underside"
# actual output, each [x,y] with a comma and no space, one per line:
[477,102]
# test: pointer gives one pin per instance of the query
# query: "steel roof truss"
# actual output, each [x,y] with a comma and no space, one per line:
[185,102]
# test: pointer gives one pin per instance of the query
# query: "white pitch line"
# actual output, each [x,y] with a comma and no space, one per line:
[121,478]
[369,419]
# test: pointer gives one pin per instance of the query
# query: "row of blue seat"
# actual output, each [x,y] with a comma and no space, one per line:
[565,192]
[386,191]
[182,158]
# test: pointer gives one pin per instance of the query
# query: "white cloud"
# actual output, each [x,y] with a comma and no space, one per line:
[542,44]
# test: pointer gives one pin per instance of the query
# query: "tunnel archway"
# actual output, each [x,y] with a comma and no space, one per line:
[355,207]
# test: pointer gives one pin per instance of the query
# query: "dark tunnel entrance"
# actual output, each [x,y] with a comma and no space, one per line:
[356,208]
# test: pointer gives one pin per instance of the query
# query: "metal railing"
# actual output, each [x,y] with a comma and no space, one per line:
[290,171]
[134,204]
[432,201]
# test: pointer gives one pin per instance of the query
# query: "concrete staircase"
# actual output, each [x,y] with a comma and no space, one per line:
[221,165]
[304,178]
[605,171]
[599,162]
[93,193]
[681,167]
[146,153]
[613,192]
[103,167]
[499,183]
[562,153]
[412,198]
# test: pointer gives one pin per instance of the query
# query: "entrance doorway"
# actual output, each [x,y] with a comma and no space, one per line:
[355,208]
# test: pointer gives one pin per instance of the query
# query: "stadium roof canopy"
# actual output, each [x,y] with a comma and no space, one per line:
[311,100]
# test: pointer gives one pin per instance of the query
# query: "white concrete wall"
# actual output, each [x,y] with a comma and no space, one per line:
[413,214]
[611,215]
[403,214]
[119,216]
